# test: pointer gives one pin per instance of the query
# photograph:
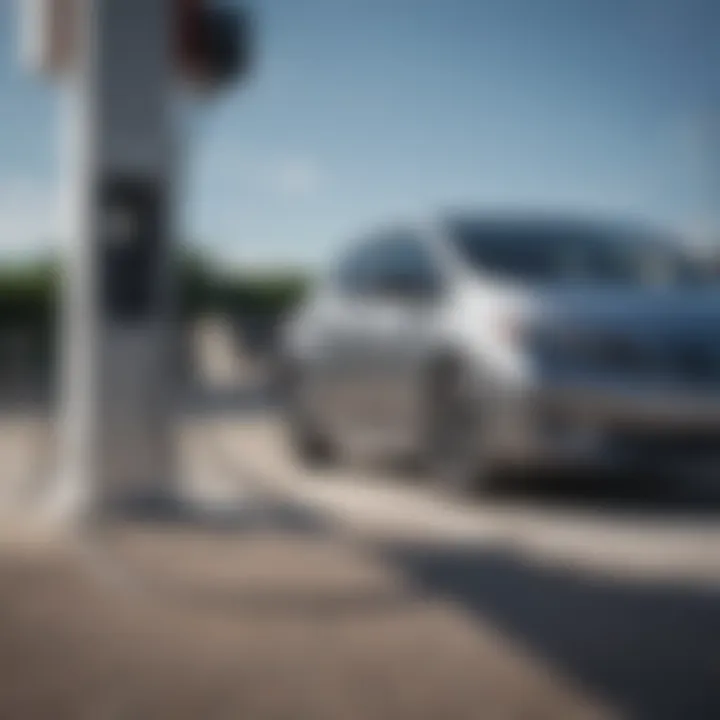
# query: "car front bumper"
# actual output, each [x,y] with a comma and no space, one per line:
[604,425]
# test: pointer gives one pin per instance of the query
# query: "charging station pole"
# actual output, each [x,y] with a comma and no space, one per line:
[117,386]
[122,61]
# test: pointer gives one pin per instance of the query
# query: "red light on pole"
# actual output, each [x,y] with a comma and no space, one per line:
[212,42]
[188,36]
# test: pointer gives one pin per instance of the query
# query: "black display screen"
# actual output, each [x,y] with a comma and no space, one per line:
[133,237]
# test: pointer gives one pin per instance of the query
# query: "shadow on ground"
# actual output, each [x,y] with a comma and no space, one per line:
[649,649]
[642,495]
[645,647]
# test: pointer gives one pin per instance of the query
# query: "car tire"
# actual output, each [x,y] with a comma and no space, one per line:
[453,454]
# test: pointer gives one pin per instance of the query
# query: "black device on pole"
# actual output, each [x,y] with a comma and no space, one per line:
[214,42]
[133,239]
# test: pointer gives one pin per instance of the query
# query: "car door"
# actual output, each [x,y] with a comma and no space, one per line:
[341,375]
[399,333]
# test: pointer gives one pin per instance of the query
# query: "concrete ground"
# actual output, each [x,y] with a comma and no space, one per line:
[268,626]
[355,593]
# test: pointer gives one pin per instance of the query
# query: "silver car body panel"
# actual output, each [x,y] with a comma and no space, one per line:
[365,361]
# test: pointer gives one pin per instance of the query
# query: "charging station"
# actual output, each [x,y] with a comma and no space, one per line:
[123,65]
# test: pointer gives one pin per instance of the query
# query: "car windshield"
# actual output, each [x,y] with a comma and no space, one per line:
[540,253]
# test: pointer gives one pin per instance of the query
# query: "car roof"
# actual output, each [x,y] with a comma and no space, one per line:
[547,222]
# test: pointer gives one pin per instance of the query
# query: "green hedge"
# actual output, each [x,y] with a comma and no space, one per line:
[29,304]
[29,294]
[205,287]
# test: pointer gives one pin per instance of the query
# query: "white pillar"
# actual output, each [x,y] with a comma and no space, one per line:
[116,436]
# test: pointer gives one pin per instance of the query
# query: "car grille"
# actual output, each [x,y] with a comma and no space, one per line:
[691,362]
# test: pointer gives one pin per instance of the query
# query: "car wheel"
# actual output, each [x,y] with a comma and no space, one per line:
[310,445]
[454,456]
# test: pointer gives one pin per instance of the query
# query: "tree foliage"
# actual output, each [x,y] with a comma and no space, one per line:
[29,294]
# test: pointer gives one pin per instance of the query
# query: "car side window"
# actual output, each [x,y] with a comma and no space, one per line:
[406,266]
[355,274]
[391,264]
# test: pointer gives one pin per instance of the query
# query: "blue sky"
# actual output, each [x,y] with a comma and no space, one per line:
[361,110]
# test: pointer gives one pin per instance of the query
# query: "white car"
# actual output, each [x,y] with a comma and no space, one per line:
[481,344]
